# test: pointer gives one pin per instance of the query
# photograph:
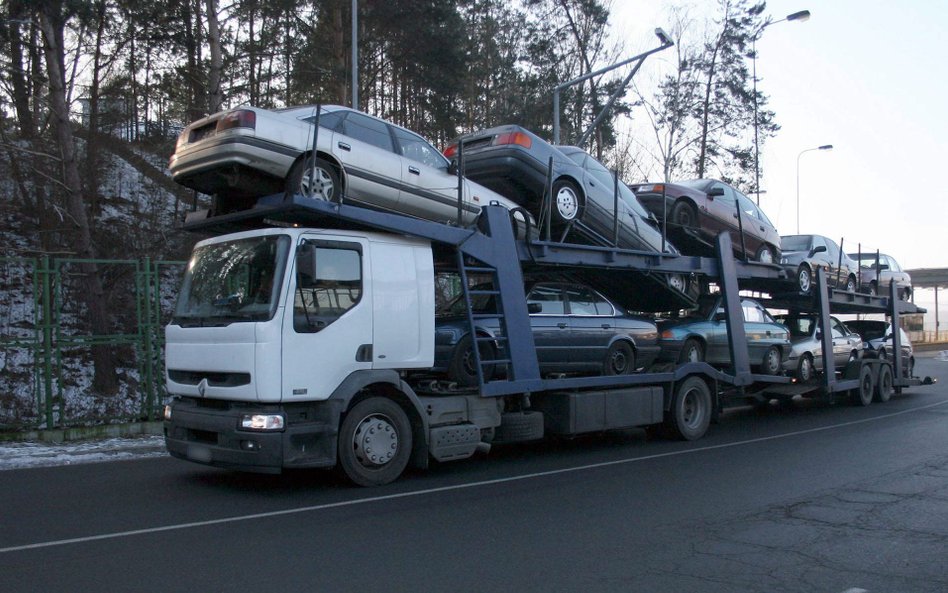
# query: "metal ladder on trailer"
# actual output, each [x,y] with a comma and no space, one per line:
[482,344]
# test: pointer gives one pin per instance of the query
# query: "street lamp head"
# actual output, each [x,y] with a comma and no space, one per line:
[826,147]
[663,37]
[801,15]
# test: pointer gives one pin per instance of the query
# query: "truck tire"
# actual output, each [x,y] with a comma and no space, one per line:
[884,384]
[328,186]
[375,442]
[690,413]
[518,427]
[862,395]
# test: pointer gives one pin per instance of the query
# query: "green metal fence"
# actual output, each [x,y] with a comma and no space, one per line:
[45,341]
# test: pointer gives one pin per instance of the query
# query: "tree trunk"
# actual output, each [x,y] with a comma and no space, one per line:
[105,381]
[214,95]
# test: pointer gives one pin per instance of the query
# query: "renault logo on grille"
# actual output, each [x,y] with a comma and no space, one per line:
[202,386]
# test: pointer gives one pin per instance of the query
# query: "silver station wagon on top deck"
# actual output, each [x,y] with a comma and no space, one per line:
[248,152]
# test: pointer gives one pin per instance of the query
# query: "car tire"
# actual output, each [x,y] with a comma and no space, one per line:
[805,368]
[620,359]
[691,351]
[567,202]
[328,187]
[771,363]
[873,288]
[804,279]
[462,369]
[851,283]
[765,254]
[684,215]
[678,282]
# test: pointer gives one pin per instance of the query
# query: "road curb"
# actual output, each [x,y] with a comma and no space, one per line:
[82,433]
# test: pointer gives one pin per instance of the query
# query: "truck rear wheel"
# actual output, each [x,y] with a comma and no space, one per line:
[690,413]
[884,383]
[375,442]
[862,395]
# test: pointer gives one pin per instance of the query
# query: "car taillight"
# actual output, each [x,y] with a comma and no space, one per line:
[451,151]
[518,138]
[642,189]
[239,118]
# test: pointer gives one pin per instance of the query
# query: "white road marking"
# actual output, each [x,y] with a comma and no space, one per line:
[543,474]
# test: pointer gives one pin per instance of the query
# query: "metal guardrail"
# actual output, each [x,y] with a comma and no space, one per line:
[45,342]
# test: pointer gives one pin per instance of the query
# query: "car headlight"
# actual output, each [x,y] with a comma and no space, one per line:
[263,422]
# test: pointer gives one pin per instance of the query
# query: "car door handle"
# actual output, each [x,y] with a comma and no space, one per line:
[561,325]
[762,229]
[414,170]
[606,326]
[343,146]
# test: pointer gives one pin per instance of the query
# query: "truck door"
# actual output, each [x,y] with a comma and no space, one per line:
[327,317]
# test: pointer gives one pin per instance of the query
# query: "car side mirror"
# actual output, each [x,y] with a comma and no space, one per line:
[715,191]
[817,249]
[453,167]
[819,335]
[883,266]
[534,308]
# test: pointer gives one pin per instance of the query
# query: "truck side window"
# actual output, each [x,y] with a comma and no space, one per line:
[328,289]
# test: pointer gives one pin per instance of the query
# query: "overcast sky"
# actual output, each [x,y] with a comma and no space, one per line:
[869,78]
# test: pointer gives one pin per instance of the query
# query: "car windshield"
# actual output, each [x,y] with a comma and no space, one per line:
[233,281]
[795,243]
[868,330]
[800,326]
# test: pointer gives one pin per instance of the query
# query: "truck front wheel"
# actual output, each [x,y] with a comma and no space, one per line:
[375,442]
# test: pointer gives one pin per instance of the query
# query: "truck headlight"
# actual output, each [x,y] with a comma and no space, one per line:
[263,422]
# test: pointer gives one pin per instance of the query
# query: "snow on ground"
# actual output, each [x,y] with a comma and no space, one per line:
[27,454]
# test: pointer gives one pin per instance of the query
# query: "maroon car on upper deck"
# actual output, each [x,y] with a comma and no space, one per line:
[704,208]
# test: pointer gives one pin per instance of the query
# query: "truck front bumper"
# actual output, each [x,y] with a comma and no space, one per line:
[209,432]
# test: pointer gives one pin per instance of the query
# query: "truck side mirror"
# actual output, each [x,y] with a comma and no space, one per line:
[453,167]
[306,263]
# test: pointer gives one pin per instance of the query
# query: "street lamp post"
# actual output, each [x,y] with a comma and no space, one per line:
[801,16]
[802,152]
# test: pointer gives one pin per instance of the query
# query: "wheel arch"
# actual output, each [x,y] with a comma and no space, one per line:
[363,385]
[329,158]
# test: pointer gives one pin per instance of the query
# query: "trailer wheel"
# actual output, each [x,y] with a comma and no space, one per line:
[884,384]
[862,395]
[463,367]
[326,187]
[692,351]
[620,360]
[375,442]
[690,412]
[804,279]
[805,368]
[771,364]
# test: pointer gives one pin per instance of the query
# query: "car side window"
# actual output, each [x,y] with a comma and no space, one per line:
[728,197]
[747,206]
[330,120]
[838,328]
[580,301]
[893,265]
[414,147]
[368,130]
[752,314]
[832,250]
[550,299]
[601,174]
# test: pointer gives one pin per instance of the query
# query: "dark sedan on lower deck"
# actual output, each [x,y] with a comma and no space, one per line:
[576,330]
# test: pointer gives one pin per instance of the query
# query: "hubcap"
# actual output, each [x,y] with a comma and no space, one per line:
[805,369]
[677,281]
[766,256]
[375,441]
[804,278]
[619,362]
[323,189]
[567,204]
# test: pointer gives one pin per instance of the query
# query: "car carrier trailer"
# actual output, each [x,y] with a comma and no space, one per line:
[268,391]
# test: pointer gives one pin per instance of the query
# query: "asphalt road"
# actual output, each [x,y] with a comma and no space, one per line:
[811,498]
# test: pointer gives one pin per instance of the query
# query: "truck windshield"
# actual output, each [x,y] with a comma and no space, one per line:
[233,281]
